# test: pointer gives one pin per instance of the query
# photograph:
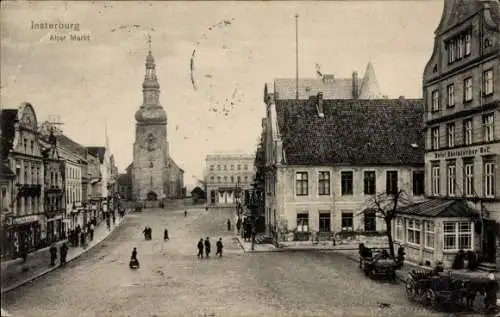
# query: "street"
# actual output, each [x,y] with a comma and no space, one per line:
[172,281]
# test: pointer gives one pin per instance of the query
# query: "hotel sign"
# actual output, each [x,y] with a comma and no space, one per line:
[471,151]
[27,219]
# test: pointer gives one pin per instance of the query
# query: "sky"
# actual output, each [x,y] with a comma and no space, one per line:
[239,47]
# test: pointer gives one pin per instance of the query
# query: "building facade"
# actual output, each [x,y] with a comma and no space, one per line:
[461,94]
[54,204]
[94,192]
[176,181]
[151,176]
[227,177]
[327,160]
[7,177]
[73,155]
[26,226]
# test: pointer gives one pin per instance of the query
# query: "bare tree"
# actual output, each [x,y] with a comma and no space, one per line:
[386,206]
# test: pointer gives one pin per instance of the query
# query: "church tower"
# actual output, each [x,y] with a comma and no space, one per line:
[151,157]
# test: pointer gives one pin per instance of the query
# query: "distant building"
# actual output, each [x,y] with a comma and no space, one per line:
[462,102]
[327,159]
[198,194]
[227,177]
[331,87]
[124,186]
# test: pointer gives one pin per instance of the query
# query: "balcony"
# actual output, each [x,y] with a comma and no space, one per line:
[53,190]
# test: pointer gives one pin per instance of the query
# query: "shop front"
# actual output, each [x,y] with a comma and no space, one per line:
[55,229]
[25,234]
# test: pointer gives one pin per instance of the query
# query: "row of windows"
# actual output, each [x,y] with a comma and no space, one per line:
[459,46]
[347,183]
[224,167]
[456,235]
[31,145]
[226,179]
[30,205]
[347,223]
[466,187]
[467,92]
[487,129]
[31,173]
[73,195]
[72,172]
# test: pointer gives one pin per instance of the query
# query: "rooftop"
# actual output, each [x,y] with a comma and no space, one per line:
[440,208]
[352,132]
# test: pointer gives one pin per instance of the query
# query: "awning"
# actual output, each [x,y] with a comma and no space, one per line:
[440,208]
[226,189]
[95,180]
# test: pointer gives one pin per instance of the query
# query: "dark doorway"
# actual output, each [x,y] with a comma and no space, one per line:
[370,220]
[489,240]
[152,196]
[212,197]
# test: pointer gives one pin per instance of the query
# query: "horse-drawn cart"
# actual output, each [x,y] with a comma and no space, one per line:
[378,263]
[451,293]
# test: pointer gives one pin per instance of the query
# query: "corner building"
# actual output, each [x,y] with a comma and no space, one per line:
[461,94]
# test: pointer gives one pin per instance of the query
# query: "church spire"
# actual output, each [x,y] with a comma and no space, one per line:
[150,86]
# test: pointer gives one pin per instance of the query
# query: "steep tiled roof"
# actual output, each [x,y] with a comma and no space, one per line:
[8,119]
[352,132]
[70,145]
[97,151]
[440,208]
[284,88]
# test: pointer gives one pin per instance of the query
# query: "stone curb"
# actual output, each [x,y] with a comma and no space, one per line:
[39,275]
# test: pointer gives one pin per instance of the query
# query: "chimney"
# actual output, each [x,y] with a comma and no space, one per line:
[355,85]
[319,105]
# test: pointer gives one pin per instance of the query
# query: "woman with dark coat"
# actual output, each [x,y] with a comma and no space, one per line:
[207,247]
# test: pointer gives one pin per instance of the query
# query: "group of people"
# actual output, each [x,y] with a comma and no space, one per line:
[148,233]
[63,252]
[205,245]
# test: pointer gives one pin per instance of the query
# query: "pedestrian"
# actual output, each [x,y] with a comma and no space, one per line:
[63,251]
[53,254]
[219,247]
[114,218]
[91,231]
[206,208]
[200,248]
[185,213]
[165,235]
[207,247]
[228,225]
[150,233]
[108,223]
[238,225]
[82,239]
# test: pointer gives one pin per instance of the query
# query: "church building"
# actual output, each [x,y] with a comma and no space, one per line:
[153,169]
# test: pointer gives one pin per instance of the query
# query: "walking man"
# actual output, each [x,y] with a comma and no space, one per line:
[228,225]
[219,247]
[91,231]
[185,213]
[53,254]
[207,247]
[200,248]
[165,235]
[63,251]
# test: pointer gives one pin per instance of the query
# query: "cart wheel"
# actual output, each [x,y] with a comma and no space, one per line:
[410,288]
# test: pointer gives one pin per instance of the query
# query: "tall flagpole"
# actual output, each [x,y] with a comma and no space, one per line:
[296,56]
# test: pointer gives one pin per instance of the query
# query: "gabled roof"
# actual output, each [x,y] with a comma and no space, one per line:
[352,132]
[440,208]
[70,145]
[197,189]
[97,151]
